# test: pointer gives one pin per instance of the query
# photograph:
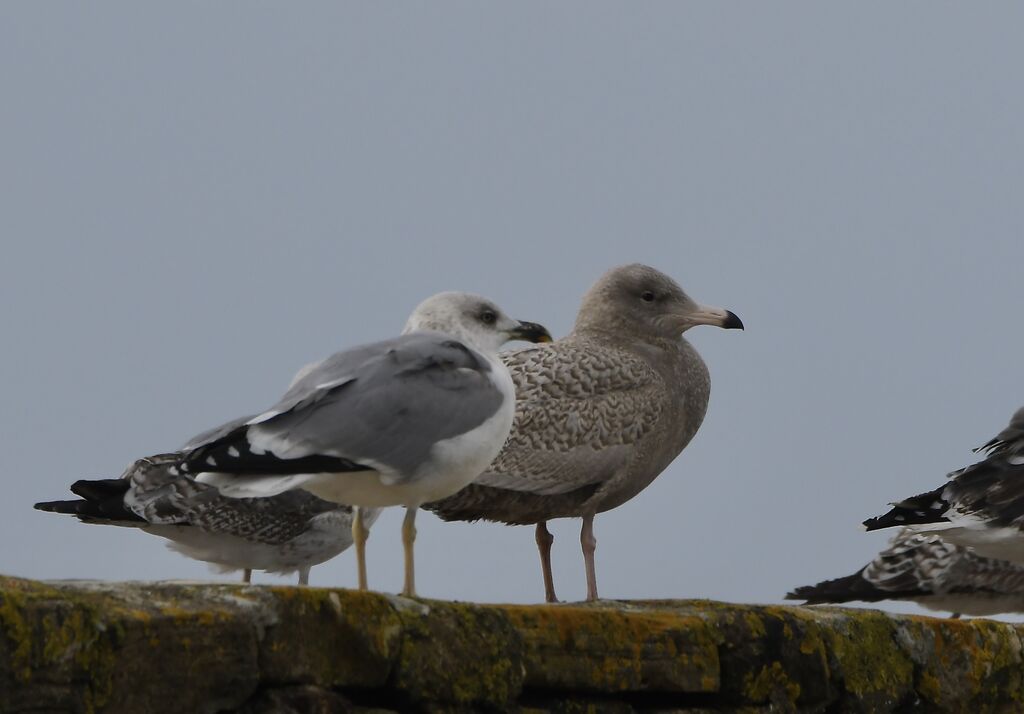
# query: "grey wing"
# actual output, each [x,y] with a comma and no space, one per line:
[385,404]
[163,498]
[217,432]
[579,413]
[342,361]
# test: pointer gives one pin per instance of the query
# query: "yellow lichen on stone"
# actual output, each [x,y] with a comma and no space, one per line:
[90,647]
[18,633]
[755,625]
[869,659]
[930,687]
[771,684]
[616,650]
[50,629]
[81,637]
[458,653]
[339,636]
[966,661]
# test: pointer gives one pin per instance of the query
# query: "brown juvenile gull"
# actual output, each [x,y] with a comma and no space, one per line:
[289,532]
[599,413]
[397,422]
[980,506]
[931,572]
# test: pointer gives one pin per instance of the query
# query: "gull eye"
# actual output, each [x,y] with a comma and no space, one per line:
[647,296]
[488,317]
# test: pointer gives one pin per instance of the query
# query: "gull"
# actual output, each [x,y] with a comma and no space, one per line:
[600,413]
[931,572]
[396,422]
[980,506]
[289,532]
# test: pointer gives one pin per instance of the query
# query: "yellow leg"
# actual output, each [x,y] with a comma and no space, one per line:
[408,538]
[359,535]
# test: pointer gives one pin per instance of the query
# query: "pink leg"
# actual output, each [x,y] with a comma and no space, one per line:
[544,541]
[589,543]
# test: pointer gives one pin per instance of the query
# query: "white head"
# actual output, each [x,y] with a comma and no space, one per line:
[474,320]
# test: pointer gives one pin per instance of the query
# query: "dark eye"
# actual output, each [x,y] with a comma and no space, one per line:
[647,296]
[488,317]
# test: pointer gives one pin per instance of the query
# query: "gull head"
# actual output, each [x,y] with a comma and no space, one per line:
[1017,422]
[1009,440]
[640,301]
[474,320]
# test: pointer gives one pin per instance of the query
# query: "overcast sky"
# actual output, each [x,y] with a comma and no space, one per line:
[196,199]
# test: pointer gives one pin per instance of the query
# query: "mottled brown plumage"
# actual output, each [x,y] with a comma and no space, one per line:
[931,572]
[600,413]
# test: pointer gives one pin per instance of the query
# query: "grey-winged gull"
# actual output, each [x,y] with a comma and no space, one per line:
[292,531]
[931,572]
[600,413]
[980,506]
[397,422]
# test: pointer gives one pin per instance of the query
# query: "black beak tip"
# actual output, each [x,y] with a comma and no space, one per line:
[732,322]
[533,332]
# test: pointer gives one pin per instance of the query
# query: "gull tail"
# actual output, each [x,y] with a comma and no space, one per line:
[102,501]
[928,507]
[852,587]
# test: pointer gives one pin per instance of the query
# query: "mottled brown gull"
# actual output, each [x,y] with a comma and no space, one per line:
[981,506]
[289,532]
[599,413]
[931,572]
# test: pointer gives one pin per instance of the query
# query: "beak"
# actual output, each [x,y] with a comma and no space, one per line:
[707,315]
[530,332]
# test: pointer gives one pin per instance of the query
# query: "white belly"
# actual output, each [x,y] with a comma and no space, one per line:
[454,464]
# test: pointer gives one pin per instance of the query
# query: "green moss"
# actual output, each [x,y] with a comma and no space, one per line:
[81,637]
[608,650]
[336,637]
[18,633]
[755,625]
[968,663]
[867,657]
[82,646]
[771,684]
[55,630]
[458,654]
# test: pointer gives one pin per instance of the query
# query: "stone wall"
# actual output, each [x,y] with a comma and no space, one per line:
[162,647]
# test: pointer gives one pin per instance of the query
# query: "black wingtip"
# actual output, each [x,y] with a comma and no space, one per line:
[922,509]
[804,592]
[102,501]
[55,506]
[838,591]
[97,489]
[886,520]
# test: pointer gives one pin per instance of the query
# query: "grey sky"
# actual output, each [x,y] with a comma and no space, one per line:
[197,199]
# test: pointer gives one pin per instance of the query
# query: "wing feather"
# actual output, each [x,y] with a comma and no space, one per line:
[385,404]
[578,412]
